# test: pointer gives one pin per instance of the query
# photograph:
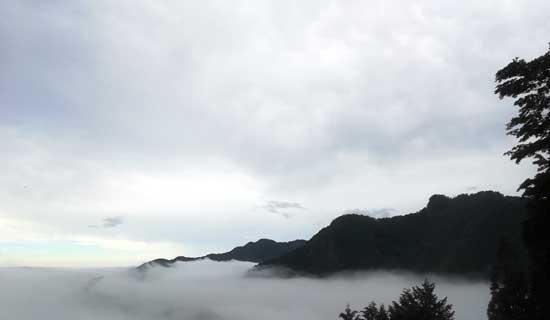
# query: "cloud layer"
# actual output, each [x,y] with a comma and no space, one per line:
[210,290]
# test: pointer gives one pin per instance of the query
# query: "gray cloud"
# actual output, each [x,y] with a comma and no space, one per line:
[275,206]
[109,222]
[285,208]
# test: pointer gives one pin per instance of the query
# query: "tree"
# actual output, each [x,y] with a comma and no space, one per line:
[417,303]
[529,84]
[382,314]
[370,312]
[421,303]
[349,314]
[508,286]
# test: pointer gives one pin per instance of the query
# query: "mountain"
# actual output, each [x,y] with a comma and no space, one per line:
[261,250]
[450,235]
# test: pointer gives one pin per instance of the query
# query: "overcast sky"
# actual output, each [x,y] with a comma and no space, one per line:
[131,130]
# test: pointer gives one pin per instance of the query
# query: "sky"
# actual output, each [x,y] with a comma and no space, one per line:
[131,130]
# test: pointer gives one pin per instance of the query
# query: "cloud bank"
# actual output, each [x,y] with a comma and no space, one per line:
[210,290]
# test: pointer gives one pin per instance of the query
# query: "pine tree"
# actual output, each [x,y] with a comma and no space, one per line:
[382,314]
[349,314]
[421,303]
[370,312]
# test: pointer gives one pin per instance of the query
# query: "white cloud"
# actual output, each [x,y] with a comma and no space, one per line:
[210,290]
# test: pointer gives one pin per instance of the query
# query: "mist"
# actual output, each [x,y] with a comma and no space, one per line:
[205,290]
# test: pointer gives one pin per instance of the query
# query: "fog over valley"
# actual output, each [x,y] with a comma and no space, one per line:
[206,290]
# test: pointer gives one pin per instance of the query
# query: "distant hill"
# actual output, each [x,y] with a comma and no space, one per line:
[261,250]
[450,235]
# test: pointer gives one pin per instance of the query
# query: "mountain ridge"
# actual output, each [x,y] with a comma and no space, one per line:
[253,251]
[450,235]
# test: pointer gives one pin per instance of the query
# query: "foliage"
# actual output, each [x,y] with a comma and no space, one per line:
[349,314]
[420,303]
[371,312]
[417,303]
[382,314]
[529,84]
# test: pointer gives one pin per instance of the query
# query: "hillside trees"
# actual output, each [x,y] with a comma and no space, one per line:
[470,224]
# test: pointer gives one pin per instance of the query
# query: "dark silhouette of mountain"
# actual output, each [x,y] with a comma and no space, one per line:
[261,250]
[451,235]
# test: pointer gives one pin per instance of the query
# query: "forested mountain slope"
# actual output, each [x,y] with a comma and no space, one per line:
[450,235]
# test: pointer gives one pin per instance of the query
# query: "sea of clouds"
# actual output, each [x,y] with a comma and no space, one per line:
[204,290]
